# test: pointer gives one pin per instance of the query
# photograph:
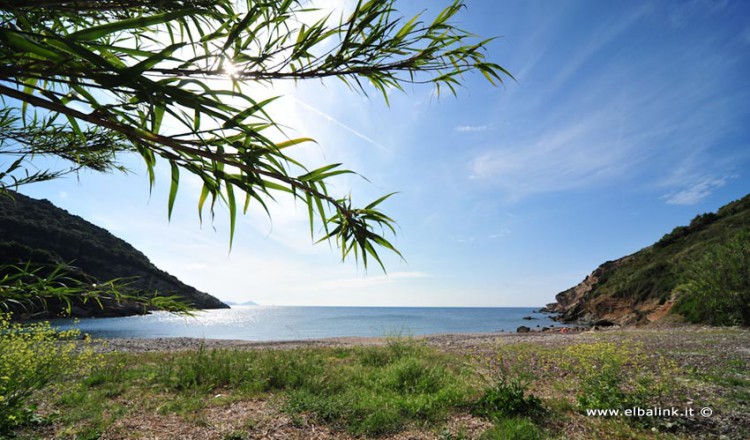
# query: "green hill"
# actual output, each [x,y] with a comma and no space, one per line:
[690,270]
[37,231]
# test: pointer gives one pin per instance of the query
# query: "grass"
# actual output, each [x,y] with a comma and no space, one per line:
[518,391]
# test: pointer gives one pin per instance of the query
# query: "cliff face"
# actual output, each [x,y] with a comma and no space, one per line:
[571,304]
[643,287]
[37,231]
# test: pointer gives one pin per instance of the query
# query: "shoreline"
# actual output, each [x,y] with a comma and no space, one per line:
[441,340]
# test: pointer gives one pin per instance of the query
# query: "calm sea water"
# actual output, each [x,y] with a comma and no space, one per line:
[267,323]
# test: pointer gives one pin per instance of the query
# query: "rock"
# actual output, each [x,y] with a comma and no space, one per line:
[523,329]
[603,323]
[545,329]
[528,318]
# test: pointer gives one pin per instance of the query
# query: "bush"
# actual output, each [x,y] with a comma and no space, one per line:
[31,356]
[508,399]
[716,288]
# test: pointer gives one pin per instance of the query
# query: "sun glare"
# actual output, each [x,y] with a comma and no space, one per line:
[231,70]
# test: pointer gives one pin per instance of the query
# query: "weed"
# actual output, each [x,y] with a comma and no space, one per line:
[508,398]
[513,429]
[617,375]
[31,357]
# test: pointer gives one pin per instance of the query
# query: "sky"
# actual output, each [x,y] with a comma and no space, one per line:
[625,120]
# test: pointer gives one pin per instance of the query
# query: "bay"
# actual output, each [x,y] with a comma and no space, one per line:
[272,323]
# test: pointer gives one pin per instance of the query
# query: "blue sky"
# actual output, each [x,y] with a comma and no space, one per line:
[626,120]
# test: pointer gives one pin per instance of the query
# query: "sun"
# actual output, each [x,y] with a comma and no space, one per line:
[231,70]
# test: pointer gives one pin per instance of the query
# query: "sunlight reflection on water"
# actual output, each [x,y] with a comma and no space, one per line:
[269,323]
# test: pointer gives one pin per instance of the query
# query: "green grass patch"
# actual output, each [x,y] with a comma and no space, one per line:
[523,390]
[513,429]
[381,390]
[366,390]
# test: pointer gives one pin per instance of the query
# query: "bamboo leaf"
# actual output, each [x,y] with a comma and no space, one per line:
[202,200]
[232,212]
[96,32]
[173,188]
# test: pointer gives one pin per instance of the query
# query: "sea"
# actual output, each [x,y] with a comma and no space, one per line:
[276,323]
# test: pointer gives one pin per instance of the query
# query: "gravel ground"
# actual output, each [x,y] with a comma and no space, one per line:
[451,342]
[698,351]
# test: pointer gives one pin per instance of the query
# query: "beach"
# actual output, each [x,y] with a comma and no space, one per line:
[693,367]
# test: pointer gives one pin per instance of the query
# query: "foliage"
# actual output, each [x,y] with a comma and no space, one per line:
[716,287]
[341,387]
[36,289]
[513,429]
[615,376]
[418,386]
[508,398]
[171,80]
[31,356]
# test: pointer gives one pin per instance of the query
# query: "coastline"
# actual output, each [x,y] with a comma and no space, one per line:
[446,341]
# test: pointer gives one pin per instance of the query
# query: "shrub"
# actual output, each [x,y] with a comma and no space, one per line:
[31,356]
[716,288]
[508,399]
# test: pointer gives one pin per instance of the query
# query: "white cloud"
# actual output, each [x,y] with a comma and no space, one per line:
[664,132]
[561,159]
[470,128]
[695,192]
[600,38]
[342,125]
[500,234]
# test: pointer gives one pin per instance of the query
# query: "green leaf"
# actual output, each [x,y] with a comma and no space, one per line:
[292,142]
[173,188]
[322,173]
[96,32]
[201,201]
[239,117]
[232,212]
[379,201]
[133,72]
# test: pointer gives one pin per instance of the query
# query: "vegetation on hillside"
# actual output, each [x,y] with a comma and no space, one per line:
[703,265]
[717,287]
[56,263]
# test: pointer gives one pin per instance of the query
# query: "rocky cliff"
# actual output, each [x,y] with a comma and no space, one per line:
[643,287]
[37,231]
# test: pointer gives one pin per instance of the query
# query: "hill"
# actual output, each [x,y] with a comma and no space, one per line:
[649,284]
[37,231]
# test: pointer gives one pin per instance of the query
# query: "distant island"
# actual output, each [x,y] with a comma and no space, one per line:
[652,284]
[246,303]
[39,232]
